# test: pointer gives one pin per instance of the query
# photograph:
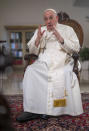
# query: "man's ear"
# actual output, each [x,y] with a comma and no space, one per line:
[57,18]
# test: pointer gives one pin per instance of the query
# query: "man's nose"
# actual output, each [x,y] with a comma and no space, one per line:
[48,21]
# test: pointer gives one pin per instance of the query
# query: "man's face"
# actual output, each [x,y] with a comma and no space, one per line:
[50,19]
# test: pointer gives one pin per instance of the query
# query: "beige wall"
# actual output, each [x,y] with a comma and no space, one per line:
[29,12]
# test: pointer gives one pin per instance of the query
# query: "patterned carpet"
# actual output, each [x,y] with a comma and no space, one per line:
[61,123]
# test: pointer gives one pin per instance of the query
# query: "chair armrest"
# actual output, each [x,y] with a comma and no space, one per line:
[30,56]
[75,56]
[75,68]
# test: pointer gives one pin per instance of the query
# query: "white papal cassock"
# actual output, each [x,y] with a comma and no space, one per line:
[51,76]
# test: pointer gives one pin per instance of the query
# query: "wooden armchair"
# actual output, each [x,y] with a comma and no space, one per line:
[79,32]
[30,58]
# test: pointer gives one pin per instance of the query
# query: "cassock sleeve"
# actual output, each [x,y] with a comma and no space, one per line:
[31,44]
[71,41]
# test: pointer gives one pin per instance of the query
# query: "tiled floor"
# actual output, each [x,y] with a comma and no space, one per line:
[11,83]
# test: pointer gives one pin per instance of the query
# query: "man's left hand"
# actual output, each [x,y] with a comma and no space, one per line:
[57,34]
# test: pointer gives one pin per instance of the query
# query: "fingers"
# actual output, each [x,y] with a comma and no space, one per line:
[39,29]
[53,28]
[40,33]
[43,32]
[54,31]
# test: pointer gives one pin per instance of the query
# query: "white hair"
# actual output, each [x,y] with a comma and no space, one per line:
[54,11]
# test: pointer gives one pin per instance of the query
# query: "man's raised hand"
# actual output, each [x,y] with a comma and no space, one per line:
[39,35]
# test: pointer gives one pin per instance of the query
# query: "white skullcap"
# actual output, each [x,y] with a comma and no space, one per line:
[50,10]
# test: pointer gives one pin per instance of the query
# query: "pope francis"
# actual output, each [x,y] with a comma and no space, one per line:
[50,87]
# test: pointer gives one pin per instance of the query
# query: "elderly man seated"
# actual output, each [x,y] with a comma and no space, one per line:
[50,87]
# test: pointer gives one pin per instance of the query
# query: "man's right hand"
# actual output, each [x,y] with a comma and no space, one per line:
[39,35]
